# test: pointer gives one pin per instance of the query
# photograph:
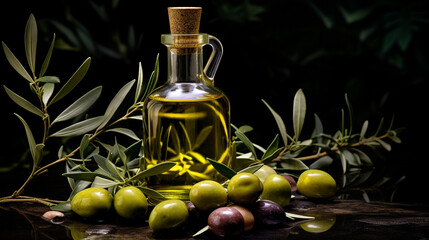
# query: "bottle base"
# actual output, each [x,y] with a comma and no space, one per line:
[174,192]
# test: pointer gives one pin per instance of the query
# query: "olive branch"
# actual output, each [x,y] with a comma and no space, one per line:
[346,148]
[43,87]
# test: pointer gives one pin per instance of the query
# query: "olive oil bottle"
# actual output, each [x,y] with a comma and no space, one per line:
[187,120]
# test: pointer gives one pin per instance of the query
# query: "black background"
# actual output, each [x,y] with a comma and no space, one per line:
[271,49]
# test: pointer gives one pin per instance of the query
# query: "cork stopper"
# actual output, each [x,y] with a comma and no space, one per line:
[184,20]
[184,28]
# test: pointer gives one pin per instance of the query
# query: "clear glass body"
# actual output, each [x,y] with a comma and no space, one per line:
[186,121]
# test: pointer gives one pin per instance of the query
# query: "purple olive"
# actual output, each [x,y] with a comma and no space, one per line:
[196,216]
[249,220]
[193,212]
[226,221]
[268,213]
[291,181]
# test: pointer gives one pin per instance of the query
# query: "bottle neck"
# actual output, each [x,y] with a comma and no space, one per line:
[185,65]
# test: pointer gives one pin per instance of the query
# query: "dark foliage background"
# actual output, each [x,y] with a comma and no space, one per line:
[375,51]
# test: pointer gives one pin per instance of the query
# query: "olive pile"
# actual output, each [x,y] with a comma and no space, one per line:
[250,200]
[244,204]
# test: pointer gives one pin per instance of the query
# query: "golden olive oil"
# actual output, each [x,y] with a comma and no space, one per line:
[186,131]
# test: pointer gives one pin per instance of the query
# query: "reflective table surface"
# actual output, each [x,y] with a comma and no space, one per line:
[339,219]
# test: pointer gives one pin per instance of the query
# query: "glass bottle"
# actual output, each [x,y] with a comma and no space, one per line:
[187,120]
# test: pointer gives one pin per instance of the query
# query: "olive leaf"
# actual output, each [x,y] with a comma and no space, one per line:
[272,156]
[35,149]
[251,169]
[246,142]
[14,62]
[71,37]
[73,81]
[356,15]
[298,116]
[134,149]
[24,103]
[114,104]
[318,129]
[85,37]
[71,181]
[48,79]
[121,154]
[79,128]
[157,169]
[293,216]
[48,89]
[326,19]
[136,117]
[380,126]
[104,174]
[78,175]
[351,158]
[384,144]
[62,207]
[272,152]
[103,182]
[124,131]
[152,194]
[30,38]
[293,164]
[80,185]
[139,86]
[279,122]
[351,114]
[153,80]
[83,145]
[322,163]
[271,148]
[245,128]
[133,164]
[79,106]
[394,137]
[47,58]
[363,157]
[109,167]
[343,161]
[201,231]
[222,169]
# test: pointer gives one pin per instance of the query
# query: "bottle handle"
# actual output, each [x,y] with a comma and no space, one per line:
[214,60]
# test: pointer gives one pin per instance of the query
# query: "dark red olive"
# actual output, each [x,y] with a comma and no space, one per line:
[196,217]
[193,212]
[268,213]
[226,221]
[249,220]
[291,181]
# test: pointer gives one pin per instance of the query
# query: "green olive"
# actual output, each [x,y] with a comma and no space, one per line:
[277,189]
[92,202]
[130,202]
[264,172]
[244,188]
[316,184]
[167,215]
[208,195]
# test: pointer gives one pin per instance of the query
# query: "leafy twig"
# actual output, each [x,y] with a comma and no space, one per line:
[43,87]
[333,149]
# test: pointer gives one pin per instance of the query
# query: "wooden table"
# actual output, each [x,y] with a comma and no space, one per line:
[345,219]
